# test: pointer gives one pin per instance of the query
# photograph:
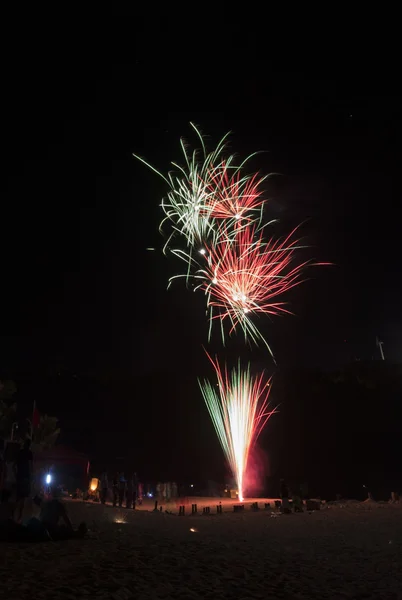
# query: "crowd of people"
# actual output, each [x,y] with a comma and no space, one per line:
[166,491]
[124,490]
[16,479]
[129,492]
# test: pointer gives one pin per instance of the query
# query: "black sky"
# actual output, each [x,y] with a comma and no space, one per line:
[87,325]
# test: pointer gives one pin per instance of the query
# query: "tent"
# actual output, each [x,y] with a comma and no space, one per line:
[63,460]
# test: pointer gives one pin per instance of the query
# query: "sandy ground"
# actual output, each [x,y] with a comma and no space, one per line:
[351,551]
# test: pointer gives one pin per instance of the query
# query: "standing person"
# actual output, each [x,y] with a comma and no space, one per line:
[104,487]
[122,489]
[130,492]
[24,468]
[285,496]
[9,482]
[140,493]
[168,491]
[135,489]
[297,502]
[163,492]
[115,488]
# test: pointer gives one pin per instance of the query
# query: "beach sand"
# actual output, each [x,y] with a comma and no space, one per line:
[349,551]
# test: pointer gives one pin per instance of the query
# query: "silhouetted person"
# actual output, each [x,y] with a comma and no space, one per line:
[51,513]
[135,489]
[130,492]
[104,484]
[284,489]
[140,492]
[122,489]
[24,478]
[9,482]
[115,488]
[285,496]
[297,502]
[159,491]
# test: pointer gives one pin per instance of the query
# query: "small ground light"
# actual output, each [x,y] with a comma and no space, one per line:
[193,530]
[120,519]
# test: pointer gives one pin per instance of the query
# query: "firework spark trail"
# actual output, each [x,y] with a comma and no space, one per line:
[236,198]
[239,412]
[190,200]
[207,189]
[248,276]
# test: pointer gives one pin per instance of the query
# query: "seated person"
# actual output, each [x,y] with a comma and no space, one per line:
[51,513]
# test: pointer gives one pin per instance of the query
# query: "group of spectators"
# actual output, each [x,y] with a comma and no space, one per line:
[47,518]
[16,479]
[125,490]
[166,491]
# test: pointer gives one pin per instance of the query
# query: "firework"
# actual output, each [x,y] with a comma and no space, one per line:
[247,276]
[206,190]
[239,409]
[236,199]
[189,201]
[218,211]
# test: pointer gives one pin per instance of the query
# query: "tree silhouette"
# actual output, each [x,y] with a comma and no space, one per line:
[8,409]
[46,433]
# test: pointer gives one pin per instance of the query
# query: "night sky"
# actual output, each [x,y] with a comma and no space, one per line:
[88,328]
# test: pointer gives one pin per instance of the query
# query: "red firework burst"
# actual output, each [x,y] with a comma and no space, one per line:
[234,197]
[247,276]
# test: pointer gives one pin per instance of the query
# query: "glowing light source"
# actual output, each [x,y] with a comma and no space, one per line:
[48,479]
[120,518]
[93,486]
[239,410]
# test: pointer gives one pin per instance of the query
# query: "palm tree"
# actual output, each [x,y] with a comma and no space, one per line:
[46,433]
